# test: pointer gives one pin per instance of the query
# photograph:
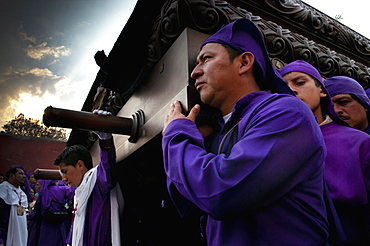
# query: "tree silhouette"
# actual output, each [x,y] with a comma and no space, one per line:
[29,127]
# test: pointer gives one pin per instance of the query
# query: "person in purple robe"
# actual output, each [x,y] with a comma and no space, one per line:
[31,180]
[347,164]
[50,221]
[350,101]
[95,219]
[259,176]
[368,92]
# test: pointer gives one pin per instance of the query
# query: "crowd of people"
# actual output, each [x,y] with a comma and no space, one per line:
[83,208]
[287,164]
[31,208]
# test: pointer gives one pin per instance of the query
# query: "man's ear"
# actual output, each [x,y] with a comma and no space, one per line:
[246,62]
[322,92]
[80,165]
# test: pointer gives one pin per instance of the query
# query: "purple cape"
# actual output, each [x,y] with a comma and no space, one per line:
[347,172]
[253,192]
[46,231]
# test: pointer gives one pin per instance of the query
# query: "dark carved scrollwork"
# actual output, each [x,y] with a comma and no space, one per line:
[116,102]
[200,15]
[284,46]
[322,24]
[208,16]
[278,45]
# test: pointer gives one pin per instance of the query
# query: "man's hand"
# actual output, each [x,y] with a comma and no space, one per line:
[176,113]
[102,135]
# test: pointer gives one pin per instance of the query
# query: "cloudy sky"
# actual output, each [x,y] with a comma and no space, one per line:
[47,51]
[48,47]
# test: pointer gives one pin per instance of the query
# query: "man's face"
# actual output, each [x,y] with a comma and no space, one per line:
[19,178]
[350,110]
[32,180]
[70,174]
[37,187]
[214,75]
[305,88]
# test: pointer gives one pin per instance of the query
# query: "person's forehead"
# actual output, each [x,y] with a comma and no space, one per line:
[342,96]
[211,47]
[19,171]
[294,76]
[63,166]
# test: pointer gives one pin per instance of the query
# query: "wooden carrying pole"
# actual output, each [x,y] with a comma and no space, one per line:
[81,120]
[47,174]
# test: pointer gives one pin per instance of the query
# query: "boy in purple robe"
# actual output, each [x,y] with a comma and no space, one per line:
[350,101]
[347,164]
[96,219]
[252,191]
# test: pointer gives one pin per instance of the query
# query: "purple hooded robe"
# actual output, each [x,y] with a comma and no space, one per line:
[347,166]
[260,178]
[98,210]
[43,229]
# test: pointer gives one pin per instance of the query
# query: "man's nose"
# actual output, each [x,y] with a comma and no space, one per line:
[337,108]
[196,72]
[293,89]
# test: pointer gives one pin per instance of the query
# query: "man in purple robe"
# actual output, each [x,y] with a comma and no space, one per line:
[50,221]
[350,101]
[259,176]
[347,164]
[95,221]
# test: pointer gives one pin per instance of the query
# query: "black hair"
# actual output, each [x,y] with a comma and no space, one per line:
[12,170]
[257,71]
[71,155]
[232,52]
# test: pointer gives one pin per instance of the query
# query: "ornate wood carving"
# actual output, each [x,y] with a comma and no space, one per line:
[284,46]
[323,25]
[208,16]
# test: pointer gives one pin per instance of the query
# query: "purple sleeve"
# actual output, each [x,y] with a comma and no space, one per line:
[258,166]
[70,192]
[106,179]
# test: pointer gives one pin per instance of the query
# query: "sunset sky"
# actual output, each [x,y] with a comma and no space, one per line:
[48,47]
[47,51]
